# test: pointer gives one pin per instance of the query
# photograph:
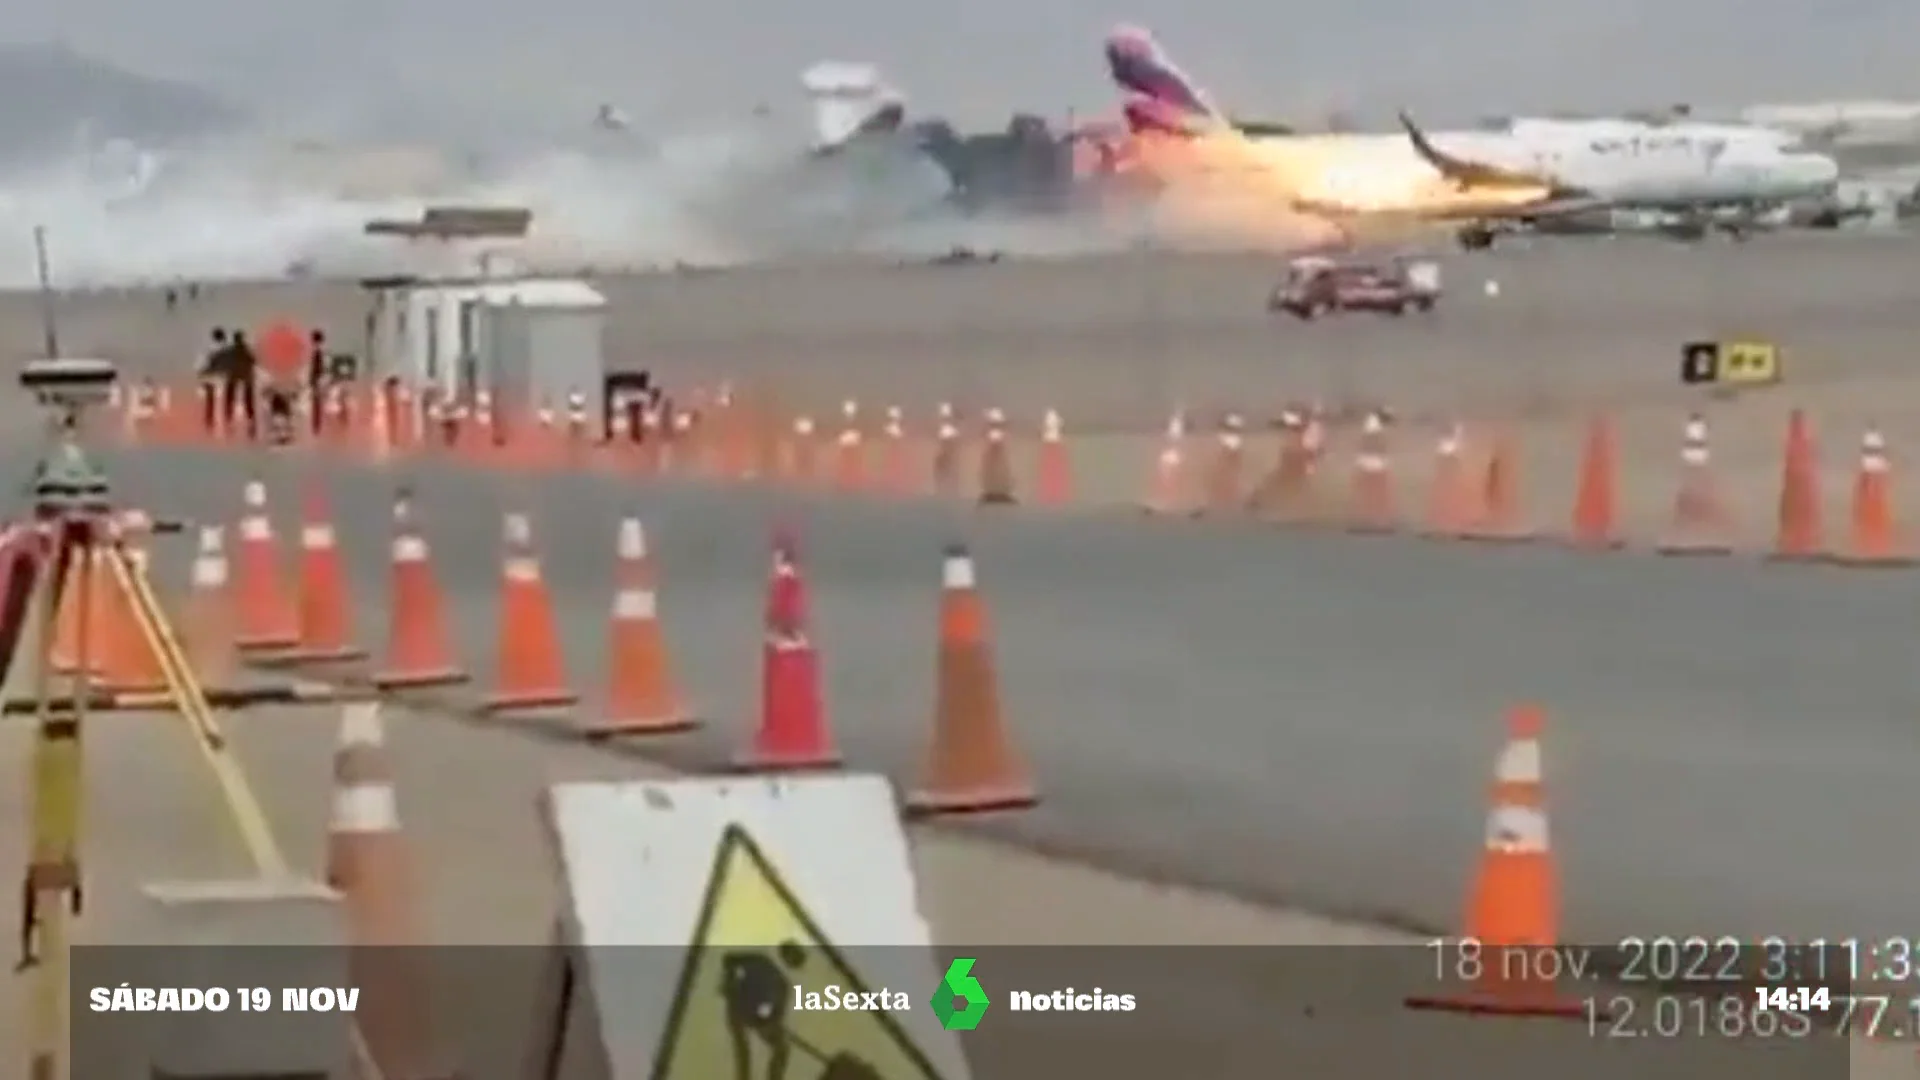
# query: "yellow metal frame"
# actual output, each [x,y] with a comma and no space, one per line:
[51,889]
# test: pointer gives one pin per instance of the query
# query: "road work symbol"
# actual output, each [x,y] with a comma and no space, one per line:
[754,952]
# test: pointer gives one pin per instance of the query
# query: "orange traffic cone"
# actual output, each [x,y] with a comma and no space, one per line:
[945,473]
[996,464]
[1223,475]
[128,662]
[850,452]
[896,460]
[419,649]
[971,765]
[1700,524]
[1372,509]
[363,802]
[84,587]
[1287,491]
[1595,500]
[641,696]
[802,452]
[264,607]
[1451,497]
[325,617]
[1053,471]
[1167,486]
[530,670]
[1875,538]
[1513,911]
[1499,519]
[1800,534]
[368,862]
[206,619]
[793,732]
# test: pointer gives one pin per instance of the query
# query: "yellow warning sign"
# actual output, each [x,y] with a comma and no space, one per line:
[763,995]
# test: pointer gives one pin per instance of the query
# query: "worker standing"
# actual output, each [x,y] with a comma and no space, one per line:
[240,389]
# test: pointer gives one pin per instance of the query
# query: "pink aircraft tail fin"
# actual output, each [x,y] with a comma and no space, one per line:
[1160,96]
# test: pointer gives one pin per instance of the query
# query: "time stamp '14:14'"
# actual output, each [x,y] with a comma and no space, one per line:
[1765,1012]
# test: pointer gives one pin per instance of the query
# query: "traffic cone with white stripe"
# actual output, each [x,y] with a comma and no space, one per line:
[896,458]
[369,864]
[1223,475]
[971,766]
[1700,523]
[850,453]
[1372,509]
[1053,472]
[802,452]
[1451,497]
[325,616]
[1513,910]
[529,666]
[206,619]
[793,731]
[1875,536]
[1288,490]
[419,649]
[129,663]
[944,478]
[267,620]
[996,463]
[1167,486]
[641,696]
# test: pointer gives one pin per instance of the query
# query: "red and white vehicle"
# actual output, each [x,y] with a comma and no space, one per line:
[1315,285]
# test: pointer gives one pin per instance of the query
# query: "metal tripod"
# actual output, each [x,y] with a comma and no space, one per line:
[74,548]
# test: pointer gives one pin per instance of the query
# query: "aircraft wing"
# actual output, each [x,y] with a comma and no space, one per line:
[1464,171]
[1567,205]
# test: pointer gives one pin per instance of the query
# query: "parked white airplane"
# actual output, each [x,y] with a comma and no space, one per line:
[1550,170]
[1723,176]
[1526,127]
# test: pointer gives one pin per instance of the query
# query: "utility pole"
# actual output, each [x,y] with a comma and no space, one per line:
[49,305]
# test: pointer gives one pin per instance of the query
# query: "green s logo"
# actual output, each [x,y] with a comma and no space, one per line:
[959,1001]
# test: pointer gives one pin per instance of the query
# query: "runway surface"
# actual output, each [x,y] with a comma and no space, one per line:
[1115,340]
[1296,717]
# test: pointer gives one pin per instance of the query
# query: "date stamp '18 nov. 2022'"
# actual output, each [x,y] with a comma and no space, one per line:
[1707,988]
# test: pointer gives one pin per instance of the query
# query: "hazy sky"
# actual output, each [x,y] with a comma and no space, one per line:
[671,63]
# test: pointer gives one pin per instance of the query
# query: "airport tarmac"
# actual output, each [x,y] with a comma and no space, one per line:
[1729,742]
[1297,717]
[1113,338]
[1319,993]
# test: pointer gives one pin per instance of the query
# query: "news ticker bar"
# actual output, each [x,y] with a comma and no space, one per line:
[1438,966]
[1248,1007]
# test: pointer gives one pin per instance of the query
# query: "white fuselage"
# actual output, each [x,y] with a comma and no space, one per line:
[1621,127]
[1640,166]
[1623,164]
